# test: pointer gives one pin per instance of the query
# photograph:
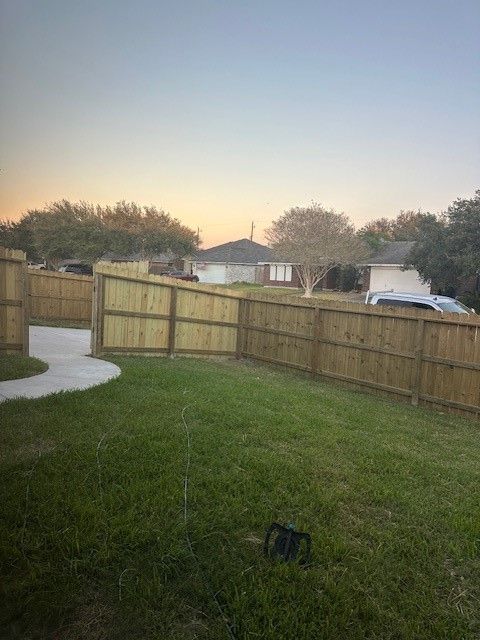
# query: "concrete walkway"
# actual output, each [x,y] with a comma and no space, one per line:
[65,351]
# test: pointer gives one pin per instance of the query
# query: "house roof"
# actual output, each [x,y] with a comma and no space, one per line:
[239,252]
[394,252]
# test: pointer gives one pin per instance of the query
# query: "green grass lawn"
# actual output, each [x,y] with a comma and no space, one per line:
[92,536]
[13,367]
[276,292]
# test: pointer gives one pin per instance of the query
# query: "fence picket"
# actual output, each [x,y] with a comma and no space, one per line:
[173,321]
[417,366]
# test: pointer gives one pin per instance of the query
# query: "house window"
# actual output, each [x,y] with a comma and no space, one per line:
[280,272]
[394,303]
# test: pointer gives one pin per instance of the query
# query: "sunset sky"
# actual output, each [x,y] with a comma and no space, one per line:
[224,112]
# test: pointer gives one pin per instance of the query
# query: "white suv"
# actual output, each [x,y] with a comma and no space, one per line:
[417,301]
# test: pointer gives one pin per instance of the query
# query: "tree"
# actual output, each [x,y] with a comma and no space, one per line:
[463,219]
[430,255]
[67,230]
[18,235]
[82,230]
[146,230]
[348,277]
[379,227]
[405,226]
[448,246]
[375,232]
[315,240]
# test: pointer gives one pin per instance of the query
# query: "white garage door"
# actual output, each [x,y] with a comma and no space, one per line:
[393,278]
[211,273]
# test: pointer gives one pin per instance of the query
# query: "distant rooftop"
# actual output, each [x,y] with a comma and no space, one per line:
[392,252]
[239,252]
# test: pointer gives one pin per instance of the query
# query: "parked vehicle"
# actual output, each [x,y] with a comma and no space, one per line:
[37,265]
[79,269]
[417,301]
[181,275]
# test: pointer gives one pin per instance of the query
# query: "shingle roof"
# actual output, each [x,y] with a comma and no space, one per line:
[239,252]
[395,252]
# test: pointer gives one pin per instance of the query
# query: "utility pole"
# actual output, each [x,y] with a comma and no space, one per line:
[198,236]
[251,231]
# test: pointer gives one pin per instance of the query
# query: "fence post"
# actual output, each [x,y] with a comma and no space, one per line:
[316,343]
[25,310]
[240,328]
[98,313]
[417,363]
[173,321]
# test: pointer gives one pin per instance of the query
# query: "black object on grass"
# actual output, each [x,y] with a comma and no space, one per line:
[287,544]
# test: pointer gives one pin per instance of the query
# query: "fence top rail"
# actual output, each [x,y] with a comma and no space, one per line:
[163,281]
[59,274]
[369,309]
[12,255]
[117,272]
[134,266]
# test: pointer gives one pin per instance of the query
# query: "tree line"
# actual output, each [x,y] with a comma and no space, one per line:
[85,231]
[446,250]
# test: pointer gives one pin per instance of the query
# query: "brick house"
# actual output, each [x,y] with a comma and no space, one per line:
[238,261]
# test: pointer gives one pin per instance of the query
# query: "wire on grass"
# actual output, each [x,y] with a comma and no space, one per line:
[205,580]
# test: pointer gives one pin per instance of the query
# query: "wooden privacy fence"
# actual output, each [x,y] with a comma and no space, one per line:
[133,266]
[422,356]
[60,296]
[13,302]
[138,313]
[417,355]
[67,296]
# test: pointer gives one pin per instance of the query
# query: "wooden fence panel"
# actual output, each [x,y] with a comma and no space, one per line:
[205,322]
[137,312]
[412,355]
[135,316]
[451,364]
[60,296]
[369,348]
[13,302]
[133,267]
[279,333]
[406,354]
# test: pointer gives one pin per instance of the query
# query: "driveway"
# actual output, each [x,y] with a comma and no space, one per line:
[70,368]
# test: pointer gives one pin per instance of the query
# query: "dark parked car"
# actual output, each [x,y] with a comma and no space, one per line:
[181,275]
[79,269]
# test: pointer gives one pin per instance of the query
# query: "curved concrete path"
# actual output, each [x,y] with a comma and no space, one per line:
[65,351]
